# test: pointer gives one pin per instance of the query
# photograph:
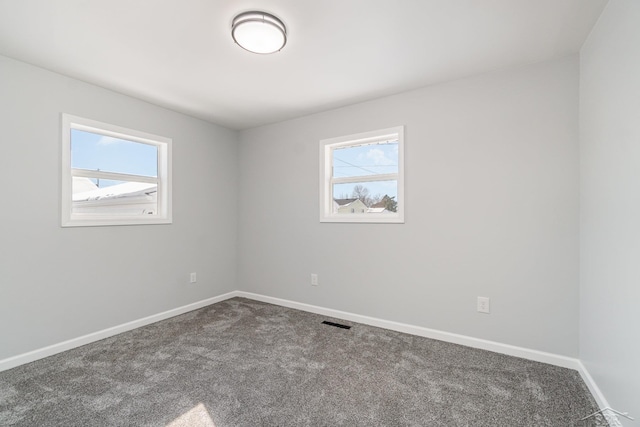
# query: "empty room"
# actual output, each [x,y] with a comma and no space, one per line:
[344,212]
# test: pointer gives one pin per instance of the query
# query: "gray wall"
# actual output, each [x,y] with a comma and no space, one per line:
[610,205]
[57,284]
[492,210]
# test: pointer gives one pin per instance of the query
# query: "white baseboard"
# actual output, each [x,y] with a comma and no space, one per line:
[40,353]
[593,387]
[511,350]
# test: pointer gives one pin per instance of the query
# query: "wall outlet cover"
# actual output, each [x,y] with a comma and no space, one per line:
[484,305]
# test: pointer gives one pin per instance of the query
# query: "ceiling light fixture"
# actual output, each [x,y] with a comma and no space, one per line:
[259,32]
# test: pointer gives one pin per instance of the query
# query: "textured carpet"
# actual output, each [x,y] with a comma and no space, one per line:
[247,363]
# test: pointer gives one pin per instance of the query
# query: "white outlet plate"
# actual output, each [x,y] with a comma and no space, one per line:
[192,278]
[314,279]
[484,305]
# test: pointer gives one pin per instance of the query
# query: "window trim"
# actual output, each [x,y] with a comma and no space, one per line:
[327,180]
[163,180]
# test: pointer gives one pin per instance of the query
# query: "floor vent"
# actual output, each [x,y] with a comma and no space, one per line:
[337,325]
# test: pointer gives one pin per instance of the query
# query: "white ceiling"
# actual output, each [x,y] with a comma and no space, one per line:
[179,53]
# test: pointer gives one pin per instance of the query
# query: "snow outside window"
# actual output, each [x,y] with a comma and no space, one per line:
[113,176]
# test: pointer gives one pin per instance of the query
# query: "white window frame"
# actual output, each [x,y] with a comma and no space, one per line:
[163,180]
[327,180]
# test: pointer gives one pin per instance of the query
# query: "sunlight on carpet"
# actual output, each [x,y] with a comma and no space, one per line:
[198,416]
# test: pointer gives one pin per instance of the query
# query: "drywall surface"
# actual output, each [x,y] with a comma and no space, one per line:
[491,210]
[61,283]
[610,205]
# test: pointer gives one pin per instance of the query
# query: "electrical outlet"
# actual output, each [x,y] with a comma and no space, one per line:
[192,278]
[484,305]
[314,279]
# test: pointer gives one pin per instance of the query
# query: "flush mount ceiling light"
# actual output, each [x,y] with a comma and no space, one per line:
[259,32]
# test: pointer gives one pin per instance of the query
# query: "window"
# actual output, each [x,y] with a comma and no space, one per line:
[362,177]
[113,176]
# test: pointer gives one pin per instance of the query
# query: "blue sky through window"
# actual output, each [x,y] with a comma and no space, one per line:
[99,152]
[366,160]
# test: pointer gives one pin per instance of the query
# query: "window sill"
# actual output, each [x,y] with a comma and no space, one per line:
[104,222]
[367,219]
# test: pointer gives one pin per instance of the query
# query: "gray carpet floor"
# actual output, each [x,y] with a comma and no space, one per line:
[246,363]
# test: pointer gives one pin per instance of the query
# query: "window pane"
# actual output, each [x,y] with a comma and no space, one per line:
[364,160]
[365,197]
[92,151]
[115,198]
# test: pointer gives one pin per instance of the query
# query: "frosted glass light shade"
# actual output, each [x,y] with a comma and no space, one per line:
[259,32]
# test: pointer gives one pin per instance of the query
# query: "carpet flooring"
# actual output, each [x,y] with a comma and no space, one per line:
[246,363]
